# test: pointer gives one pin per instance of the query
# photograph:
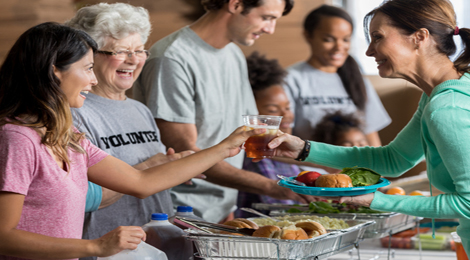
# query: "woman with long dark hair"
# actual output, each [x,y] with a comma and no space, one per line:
[330,80]
[45,163]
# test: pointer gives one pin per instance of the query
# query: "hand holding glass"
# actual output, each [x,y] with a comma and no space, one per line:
[257,145]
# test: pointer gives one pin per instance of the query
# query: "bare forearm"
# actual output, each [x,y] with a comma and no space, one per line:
[144,183]
[24,244]
[186,168]
[184,137]
[109,197]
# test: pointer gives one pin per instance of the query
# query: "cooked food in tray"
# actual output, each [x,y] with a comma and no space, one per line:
[301,230]
[285,221]
[290,232]
[322,207]
[312,228]
[287,230]
[239,223]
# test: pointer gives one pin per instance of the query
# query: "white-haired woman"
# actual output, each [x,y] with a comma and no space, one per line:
[123,127]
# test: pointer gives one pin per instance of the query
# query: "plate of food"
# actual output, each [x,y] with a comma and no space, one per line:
[350,182]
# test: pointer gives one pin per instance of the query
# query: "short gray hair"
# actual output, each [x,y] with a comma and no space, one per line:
[117,20]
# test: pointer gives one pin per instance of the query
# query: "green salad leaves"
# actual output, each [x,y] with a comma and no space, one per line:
[322,207]
[361,176]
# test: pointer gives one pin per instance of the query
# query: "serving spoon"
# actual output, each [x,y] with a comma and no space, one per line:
[254,211]
[197,224]
[292,181]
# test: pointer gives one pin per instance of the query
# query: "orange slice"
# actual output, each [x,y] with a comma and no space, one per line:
[396,191]
[416,193]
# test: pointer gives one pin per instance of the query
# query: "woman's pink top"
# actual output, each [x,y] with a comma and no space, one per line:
[54,203]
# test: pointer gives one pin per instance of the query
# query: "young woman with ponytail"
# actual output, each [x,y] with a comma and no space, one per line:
[412,40]
[330,80]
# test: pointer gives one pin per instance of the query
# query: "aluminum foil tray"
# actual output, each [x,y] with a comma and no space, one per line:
[216,246]
[387,223]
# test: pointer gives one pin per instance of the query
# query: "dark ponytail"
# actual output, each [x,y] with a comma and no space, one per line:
[350,74]
[353,82]
[461,63]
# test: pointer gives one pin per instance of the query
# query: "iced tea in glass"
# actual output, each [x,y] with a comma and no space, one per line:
[257,146]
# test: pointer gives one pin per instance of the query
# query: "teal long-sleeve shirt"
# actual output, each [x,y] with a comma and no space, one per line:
[439,132]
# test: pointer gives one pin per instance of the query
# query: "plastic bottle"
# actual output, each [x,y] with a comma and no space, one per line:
[168,238]
[143,251]
[186,212]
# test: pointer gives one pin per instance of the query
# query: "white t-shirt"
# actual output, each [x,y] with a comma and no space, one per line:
[186,80]
[314,93]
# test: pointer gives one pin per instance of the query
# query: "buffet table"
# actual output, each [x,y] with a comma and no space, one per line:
[368,234]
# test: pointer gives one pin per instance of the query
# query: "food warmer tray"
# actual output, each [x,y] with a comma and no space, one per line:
[386,223]
[220,246]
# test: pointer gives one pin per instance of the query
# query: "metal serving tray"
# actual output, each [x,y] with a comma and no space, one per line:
[218,246]
[386,223]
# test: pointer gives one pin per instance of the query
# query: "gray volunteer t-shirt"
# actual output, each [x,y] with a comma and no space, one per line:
[314,93]
[126,130]
[186,80]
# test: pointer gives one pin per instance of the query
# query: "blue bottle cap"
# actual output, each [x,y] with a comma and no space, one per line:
[159,216]
[184,209]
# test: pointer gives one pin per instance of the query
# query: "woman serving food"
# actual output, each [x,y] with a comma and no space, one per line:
[413,40]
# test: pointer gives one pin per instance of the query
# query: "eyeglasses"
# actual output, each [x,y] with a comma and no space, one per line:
[122,55]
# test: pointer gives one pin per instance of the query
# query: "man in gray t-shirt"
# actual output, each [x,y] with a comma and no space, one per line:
[196,85]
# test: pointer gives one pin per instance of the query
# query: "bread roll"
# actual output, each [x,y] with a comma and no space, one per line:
[241,223]
[312,228]
[293,233]
[268,231]
[249,222]
[336,180]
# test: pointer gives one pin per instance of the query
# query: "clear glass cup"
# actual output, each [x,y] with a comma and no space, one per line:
[257,146]
[461,255]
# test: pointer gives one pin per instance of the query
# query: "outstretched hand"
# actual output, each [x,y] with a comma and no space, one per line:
[360,200]
[235,140]
[285,145]
[282,193]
